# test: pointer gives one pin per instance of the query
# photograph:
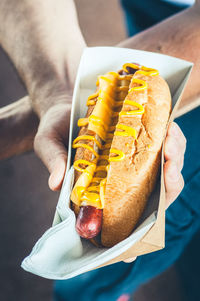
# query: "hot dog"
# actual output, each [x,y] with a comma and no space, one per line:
[118,152]
[89,221]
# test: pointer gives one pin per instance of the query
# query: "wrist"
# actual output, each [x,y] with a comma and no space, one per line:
[18,126]
[49,95]
[49,45]
[56,84]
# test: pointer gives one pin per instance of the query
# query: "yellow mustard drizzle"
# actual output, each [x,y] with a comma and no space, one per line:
[76,145]
[142,83]
[102,77]
[148,71]
[139,111]
[90,100]
[120,155]
[141,69]
[82,122]
[87,137]
[93,191]
[126,131]
[84,162]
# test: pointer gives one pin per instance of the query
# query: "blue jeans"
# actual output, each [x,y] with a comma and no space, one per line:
[182,223]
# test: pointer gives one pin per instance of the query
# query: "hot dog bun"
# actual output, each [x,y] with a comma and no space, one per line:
[131,181]
[137,138]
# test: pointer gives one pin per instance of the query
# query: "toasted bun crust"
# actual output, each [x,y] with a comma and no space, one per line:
[131,181]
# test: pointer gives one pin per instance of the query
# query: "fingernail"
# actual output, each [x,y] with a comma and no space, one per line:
[56,177]
[173,173]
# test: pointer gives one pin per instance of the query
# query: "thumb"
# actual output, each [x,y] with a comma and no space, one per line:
[54,155]
[58,172]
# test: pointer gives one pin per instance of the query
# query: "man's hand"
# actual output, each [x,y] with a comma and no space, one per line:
[51,142]
[49,46]
[19,131]
[175,145]
[174,149]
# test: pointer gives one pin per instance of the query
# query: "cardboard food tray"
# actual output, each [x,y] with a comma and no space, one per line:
[60,253]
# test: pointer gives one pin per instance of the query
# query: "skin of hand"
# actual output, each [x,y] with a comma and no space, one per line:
[51,140]
[49,46]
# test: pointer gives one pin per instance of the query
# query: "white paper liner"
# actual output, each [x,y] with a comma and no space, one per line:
[60,253]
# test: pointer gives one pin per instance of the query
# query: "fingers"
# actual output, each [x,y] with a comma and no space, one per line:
[175,146]
[57,175]
[128,260]
[174,182]
[54,156]
[50,143]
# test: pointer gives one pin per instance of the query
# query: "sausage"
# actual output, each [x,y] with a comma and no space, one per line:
[89,221]
[130,70]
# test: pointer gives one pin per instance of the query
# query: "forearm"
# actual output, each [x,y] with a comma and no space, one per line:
[44,41]
[18,126]
[178,36]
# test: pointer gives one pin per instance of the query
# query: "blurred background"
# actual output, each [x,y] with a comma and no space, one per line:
[27,205]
